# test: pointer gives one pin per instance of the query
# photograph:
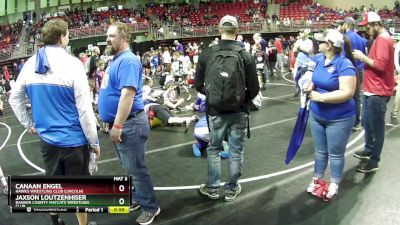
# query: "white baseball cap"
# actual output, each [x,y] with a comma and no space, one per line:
[331,35]
[370,17]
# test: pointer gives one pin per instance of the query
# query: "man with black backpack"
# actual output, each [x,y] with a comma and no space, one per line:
[226,74]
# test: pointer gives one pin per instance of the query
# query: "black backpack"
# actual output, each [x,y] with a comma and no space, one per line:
[225,79]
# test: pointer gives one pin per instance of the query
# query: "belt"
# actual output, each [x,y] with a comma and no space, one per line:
[135,114]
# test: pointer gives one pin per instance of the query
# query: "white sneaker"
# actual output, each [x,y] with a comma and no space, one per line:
[313,185]
[333,189]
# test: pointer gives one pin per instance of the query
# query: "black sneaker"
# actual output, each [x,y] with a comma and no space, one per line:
[367,167]
[135,206]
[146,218]
[357,128]
[263,87]
[209,192]
[362,155]
[231,195]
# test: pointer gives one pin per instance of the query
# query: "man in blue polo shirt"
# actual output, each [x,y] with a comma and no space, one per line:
[357,43]
[121,104]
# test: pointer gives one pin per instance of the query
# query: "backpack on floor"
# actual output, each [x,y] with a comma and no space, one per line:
[225,79]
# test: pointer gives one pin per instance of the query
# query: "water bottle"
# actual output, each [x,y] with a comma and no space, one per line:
[92,163]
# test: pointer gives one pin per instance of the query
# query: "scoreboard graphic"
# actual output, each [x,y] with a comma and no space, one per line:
[94,194]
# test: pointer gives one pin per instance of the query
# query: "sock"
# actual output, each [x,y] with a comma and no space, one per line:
[54,219]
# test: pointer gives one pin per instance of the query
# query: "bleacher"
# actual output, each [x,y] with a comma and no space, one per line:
[198,26]
[295,10]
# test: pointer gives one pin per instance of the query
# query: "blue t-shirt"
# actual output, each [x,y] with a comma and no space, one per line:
[125,70]
[326,79]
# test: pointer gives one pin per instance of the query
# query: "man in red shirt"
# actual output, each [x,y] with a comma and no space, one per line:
[378,86]
[6,73]
[279,54]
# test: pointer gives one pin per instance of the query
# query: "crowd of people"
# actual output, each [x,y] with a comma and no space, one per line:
[118,89]
[9,33]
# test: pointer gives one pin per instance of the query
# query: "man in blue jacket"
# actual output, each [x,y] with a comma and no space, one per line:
[62,113]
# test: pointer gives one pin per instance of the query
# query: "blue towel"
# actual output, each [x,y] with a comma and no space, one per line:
[42,64]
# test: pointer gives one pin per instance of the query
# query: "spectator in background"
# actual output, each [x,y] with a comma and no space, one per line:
[261,60]
[166,58]
[239,39]
[93,60]
[272,56]
[378,87]
[280,65]
[62,112]
[6,74]
[21,64]
[397,8]
[15,71]
[302,49]
[179,47]
[258,39]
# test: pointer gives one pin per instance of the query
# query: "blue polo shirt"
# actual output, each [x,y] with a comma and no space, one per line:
[359,43]
[326,79]
[125,70]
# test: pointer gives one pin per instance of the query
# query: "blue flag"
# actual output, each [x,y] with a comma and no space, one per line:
[303,80]
[298,133]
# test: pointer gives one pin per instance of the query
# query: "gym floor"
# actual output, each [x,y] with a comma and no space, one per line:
[272,192]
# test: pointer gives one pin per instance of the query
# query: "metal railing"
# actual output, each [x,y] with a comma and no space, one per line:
[87,32]
[15,51]
[175,32]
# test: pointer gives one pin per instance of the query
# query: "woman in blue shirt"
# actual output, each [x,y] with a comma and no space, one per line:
[332,109]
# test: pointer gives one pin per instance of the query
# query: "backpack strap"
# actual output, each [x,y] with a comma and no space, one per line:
[237,48]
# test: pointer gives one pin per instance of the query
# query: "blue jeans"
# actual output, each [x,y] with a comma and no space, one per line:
[330,138]
[130,151]
[234,126]
[373,121]
[357,98]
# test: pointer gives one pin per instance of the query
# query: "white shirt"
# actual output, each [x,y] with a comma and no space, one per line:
[166,57]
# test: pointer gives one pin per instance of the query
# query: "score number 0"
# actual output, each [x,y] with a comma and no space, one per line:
[121,188]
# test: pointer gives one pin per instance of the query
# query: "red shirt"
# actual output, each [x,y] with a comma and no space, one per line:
[6,75]
[278,46]
[379,80]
